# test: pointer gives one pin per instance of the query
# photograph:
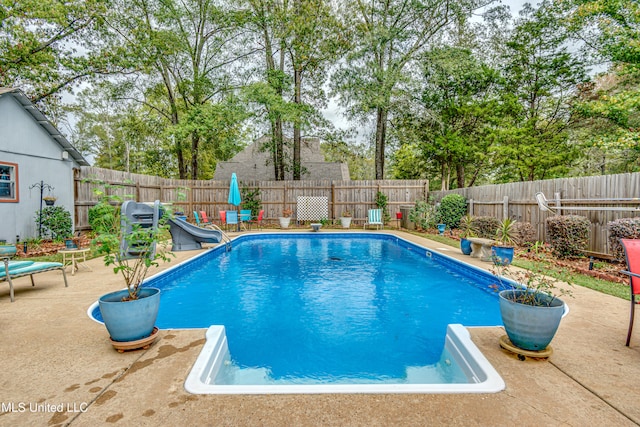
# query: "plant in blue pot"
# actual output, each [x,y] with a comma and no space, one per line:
[530,307]
[502,252]
[129,239]
[467,230]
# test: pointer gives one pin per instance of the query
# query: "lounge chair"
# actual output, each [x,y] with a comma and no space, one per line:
[374,218]
[632,253]
[205,218]
[245,216]
[15,269]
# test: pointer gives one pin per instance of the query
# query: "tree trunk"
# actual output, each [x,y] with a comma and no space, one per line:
[381,133]
[195,142]
[460,175]
[297,164]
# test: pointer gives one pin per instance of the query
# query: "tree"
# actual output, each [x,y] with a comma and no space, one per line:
[455,118]
[541,77]
[387,37]
[48,46]
[182,57]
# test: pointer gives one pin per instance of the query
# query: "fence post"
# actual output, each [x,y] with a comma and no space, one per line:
[505,207]
[470,207]
[557,197]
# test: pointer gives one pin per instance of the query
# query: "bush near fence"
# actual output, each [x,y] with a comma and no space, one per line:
[623,228]
[568,235]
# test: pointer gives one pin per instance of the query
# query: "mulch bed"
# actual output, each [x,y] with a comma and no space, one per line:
[48,247]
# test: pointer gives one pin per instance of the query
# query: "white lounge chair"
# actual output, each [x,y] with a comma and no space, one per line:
[374,218]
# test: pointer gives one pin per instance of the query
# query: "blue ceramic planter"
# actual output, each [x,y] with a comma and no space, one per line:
[441,228]
[465,246]
[130,320]
[530,327]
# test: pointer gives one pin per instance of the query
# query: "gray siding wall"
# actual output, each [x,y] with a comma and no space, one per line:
[39,158]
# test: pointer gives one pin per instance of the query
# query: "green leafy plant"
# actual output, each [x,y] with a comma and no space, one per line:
[251,200]
[112,231]
[467,227]
[55,221]
[486,226]
[452,208]
[540,289]
[568,235]
[346,213]
[504,232]
[381,202]
[423,215]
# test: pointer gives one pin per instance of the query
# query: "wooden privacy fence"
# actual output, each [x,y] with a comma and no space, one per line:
[211,196]
[517,200]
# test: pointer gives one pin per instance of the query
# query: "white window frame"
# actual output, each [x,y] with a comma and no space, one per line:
[9,179]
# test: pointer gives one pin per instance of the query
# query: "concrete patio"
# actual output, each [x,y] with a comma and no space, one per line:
[59,368]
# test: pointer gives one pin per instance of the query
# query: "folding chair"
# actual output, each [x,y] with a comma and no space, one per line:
[374,218]
[245,216]
[258,219]
[232,219]
[632,254]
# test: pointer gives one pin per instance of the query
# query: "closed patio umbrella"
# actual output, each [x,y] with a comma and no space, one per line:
[234,194]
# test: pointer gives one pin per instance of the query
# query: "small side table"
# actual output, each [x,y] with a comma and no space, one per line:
[75,258]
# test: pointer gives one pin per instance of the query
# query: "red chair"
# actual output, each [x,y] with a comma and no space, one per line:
[257,220]
[632,253]
[223,217]
[204,218]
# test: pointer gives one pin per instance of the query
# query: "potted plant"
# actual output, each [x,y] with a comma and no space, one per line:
[285,219]
[502,253]
[345,219]
[49,200]
[467,230]
[530,307]
[131,249]
[441,228]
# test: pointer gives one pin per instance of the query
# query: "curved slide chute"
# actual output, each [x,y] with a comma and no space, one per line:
[187,236]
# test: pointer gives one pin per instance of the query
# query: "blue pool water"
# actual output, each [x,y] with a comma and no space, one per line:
[327,307]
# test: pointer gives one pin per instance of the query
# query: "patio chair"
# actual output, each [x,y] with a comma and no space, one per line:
[204,218]
[258,220]
[374,217]
[232,219]
[245,216]
[15,269]
[196,217]
[632,254]
[223,217]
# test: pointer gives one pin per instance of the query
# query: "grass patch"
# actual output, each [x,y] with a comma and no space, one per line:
[610,288]
[615,289]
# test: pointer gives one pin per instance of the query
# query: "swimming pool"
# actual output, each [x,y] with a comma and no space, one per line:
[330,308]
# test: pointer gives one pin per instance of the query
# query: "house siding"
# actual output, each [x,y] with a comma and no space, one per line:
[39,158]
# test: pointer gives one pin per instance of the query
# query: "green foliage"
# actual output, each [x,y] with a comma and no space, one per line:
[251,200]
[467,227]
[111,230]
[56,222]
[623,228]
[452,208]
[541,288]
[568,235]
[486,226]
[505,232]
[423,215]
[381,203]
[524,234]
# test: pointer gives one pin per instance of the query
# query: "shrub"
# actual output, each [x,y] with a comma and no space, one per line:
[423,215]
[486,226]
[452,208]
[56,222]
[101,216]
[623,228]
[568,235]
[524,234]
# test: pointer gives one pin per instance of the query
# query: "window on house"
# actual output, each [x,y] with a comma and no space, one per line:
[8,182]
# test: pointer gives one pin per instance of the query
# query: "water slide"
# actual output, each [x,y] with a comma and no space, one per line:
[187,236]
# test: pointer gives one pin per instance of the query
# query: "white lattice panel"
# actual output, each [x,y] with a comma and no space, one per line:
[312,208]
